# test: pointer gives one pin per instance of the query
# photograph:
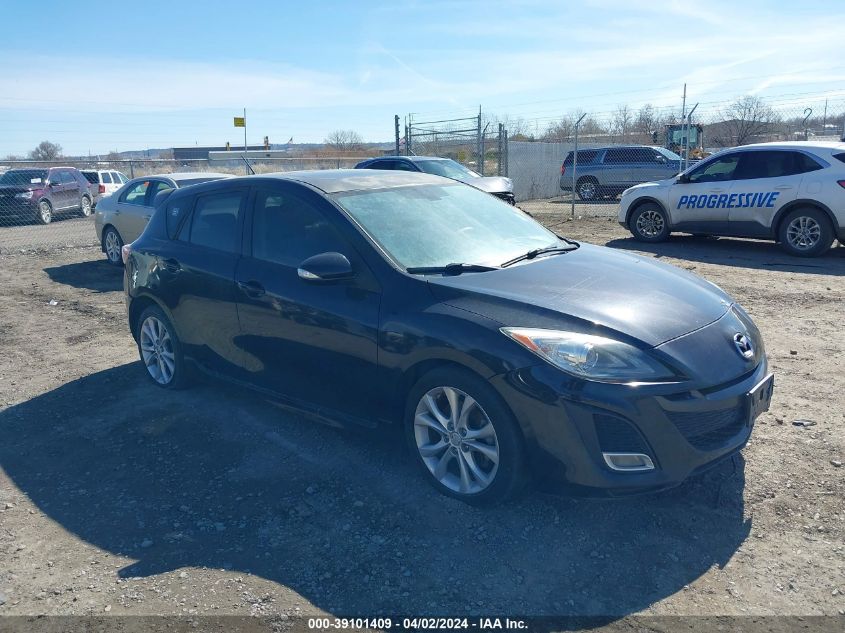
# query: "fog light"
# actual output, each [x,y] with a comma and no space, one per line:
[628,462]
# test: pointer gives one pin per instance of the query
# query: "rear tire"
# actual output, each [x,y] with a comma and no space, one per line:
[587,189]
[649,223]
[160,350]
[85,207]
[112,246]
[464,438]
[806,232]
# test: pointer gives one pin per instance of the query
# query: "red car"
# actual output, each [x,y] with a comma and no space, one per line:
[40,194]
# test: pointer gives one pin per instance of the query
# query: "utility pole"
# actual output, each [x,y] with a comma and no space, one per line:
[683,116]
[575,161]
[245,145]
[478,147]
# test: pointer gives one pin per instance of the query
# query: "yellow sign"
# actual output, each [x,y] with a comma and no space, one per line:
[240,121]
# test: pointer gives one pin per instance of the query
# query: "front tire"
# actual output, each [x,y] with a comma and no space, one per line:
[464,438]
[806,233]
[160,350]
[45,212]
[649,224]
[112,246]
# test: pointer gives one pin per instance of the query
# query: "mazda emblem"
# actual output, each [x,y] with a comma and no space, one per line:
[743,345]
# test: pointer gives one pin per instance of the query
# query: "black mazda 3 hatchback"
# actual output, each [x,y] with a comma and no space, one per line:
[507,353]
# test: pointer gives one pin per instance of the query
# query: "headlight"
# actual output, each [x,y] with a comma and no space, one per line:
[24,195]
[593,357]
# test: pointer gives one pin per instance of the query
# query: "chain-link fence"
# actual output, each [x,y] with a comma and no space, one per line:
[50,203]
[620,148]
[47,204]
[472,141]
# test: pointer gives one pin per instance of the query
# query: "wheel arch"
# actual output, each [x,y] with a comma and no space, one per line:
[797,204]
[137,305]
[106,227]
[412,375]
[636,204]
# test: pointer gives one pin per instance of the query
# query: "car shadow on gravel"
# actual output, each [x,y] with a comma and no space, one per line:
[97,275]
[738,252]
[216,478]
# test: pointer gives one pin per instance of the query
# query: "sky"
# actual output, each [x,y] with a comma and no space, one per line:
[96,77]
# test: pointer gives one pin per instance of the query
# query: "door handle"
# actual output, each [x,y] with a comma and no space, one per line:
[718,190]
[783,187]
[172,266]
[251,288]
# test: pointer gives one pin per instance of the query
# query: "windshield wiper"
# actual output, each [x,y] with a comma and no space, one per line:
[571,246]
[450,269]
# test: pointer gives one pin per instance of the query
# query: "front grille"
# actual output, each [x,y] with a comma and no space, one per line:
[618,436]
[710,429]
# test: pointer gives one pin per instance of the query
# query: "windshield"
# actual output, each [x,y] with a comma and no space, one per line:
[437,225]
[24,177]
[447,168]
[667,153]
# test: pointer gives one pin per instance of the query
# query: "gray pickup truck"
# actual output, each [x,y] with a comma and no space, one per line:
[605,172]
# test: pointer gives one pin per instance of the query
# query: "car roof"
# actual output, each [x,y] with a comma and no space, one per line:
[339,180]
[826,145]
[192,175]
[413,159]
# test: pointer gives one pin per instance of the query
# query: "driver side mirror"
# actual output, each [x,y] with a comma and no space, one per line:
[325,267]
[660,159]
[682,179]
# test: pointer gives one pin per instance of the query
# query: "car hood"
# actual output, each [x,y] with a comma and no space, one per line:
[591,286]
[491,184]
[657,184]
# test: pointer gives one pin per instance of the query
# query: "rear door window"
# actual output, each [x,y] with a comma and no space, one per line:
[136,194]
[214,223]
[156,187]
[617,157]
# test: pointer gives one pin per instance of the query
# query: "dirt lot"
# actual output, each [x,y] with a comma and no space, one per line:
[117,497]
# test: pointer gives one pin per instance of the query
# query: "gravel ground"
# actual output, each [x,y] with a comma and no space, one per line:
[119,498]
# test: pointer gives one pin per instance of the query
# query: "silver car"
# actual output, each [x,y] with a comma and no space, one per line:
[498,186]
[123,216]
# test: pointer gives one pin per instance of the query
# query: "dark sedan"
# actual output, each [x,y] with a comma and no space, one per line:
[506,352]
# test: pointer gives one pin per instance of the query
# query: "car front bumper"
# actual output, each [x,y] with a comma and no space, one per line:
[15,208]
[683,432]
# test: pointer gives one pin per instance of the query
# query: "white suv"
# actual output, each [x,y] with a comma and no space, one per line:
[793,193]
[107,181]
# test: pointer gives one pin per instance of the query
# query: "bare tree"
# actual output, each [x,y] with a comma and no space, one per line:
[646,123]
[344,140]
[622,122]
[745,120]
[46,151]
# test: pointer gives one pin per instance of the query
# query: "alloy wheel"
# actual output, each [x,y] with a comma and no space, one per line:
[650,223]
[112,246]
[86,207]
[456,440]
[803,233]
[587,190]
[45,211]
[157,350]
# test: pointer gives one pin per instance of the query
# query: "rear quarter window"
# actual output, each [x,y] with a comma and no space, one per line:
[90,177]
[840,157]
[584,157]
[175,211]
